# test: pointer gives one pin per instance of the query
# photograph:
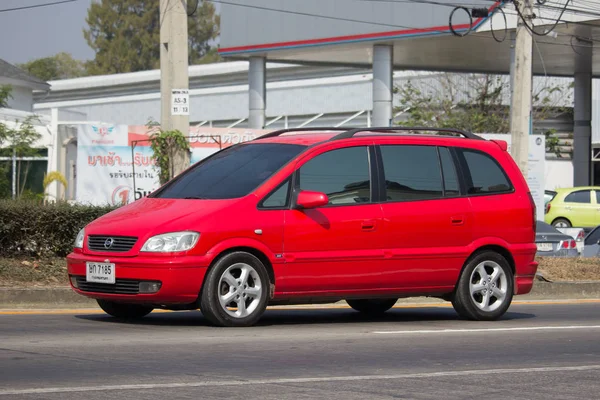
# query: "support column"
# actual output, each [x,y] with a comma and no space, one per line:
[513,43]
[582,132]
[257,84]
[383,89]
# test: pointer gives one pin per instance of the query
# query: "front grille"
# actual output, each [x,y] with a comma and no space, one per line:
[120,244]
[121,286]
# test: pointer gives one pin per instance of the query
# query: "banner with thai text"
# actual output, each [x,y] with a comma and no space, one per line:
[115,163]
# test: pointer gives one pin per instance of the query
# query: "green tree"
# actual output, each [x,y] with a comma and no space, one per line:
[476,103]
[5,96]
[125,34]
[58,66]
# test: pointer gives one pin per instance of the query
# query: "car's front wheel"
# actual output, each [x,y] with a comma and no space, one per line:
[123,310]
[372,306]
[235,290]
[485,288]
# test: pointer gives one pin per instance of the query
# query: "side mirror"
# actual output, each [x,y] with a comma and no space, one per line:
[307,199]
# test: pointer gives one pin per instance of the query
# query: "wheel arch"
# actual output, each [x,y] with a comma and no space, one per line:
[250,250]
[503,251]
[565,218]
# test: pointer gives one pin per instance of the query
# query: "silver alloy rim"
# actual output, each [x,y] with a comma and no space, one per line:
[561,224]
[240,290]
[488,286]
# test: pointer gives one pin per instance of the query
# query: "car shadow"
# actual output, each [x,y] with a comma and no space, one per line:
[279,317]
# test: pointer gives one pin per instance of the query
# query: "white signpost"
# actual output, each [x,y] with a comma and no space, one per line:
[536,163]
[180,102]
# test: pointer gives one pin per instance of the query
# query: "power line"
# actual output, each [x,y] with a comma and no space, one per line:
[36,6]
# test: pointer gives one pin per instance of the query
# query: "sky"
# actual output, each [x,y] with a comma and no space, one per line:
[44,31]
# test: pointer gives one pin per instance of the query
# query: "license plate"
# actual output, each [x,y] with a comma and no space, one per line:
[545,247]
[100,272]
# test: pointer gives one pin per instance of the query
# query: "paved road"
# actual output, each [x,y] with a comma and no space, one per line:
[536,352]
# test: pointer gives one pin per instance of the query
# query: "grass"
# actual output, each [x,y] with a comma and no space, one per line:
[49,272]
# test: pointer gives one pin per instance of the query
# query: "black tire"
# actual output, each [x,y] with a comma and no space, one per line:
[563,221]
[210,305]
[372,306]
[123,310]
[466,305]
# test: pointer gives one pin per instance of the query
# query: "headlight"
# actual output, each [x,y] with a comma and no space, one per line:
[169,242]
[79,240]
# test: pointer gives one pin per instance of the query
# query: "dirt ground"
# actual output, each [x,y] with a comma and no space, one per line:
[28,272]
[569,269]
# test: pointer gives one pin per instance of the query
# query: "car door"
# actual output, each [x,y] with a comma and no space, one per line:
[427,223]
[578,208]
[336,247]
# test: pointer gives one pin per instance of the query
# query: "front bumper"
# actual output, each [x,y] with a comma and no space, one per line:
[180,277]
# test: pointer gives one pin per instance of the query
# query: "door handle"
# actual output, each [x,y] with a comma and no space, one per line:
[368,225]
[457,220]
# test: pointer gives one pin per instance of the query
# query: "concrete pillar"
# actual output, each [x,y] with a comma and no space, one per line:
[513,43]
[257,82]
[383,69]
[582,133]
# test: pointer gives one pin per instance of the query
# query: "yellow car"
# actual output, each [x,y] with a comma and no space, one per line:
[574,207]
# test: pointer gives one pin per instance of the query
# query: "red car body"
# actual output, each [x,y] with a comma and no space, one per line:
[378,249]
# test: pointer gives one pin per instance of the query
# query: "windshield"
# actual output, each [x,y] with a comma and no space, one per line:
[231,173]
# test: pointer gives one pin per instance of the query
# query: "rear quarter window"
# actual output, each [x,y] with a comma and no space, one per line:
[482,173]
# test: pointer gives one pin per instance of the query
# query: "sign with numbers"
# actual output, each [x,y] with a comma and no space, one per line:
[180,102]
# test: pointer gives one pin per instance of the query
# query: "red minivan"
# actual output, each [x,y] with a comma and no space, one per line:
[317,216]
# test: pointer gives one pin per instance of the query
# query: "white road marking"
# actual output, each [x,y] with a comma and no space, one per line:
[7,392]
[479,330]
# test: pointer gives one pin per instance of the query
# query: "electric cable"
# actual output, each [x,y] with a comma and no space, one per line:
[501,10]
[37,6]
[454,32]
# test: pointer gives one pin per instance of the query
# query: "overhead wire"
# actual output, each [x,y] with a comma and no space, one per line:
[36,6]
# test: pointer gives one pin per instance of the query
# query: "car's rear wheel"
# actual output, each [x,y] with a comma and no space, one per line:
[235,291]
[485,288]
[561,223]
[123,310]
[372,306]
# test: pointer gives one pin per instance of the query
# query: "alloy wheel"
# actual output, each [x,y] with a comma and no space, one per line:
[488,286]
[240,290]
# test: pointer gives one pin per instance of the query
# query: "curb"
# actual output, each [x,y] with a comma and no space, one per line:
[56,297]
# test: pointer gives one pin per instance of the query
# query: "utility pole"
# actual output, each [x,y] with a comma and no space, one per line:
[520,123]
[174,80]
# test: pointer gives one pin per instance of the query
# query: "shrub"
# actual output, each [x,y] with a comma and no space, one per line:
[34,229]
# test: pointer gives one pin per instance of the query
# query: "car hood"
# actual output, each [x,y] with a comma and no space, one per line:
[151,216]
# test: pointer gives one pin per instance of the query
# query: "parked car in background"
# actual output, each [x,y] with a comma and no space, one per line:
[574,207]
[576,233]
[591,243]
[553,243]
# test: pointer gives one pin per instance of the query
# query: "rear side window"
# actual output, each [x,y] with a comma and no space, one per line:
[411,172]
[483,174]
[343,175]
[580,196]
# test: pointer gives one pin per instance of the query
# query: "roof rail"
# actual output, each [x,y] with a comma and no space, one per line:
[319,128]
[351,132]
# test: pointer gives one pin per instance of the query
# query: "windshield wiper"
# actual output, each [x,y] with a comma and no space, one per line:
[196,198]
